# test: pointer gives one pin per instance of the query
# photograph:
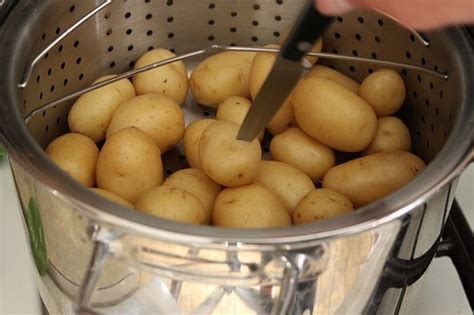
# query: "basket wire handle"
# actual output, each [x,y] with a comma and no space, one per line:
[216,49]
[67,32]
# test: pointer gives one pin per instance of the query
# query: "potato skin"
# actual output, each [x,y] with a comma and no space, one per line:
[129,164]
[113,197]
[157,115]
[196,182]
[173,204]
[220,76]
[91,114]
[228,161]
[192,136]
[261,67]
[299,150]
[234,109]
[324,72]
[75,154]
[321,204]
[392,135]
[170,80]
[333,115]
[384,90]
[285,181]
[250,206]
[372,177]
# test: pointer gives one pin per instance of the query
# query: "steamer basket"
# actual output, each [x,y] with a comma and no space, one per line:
[93,255]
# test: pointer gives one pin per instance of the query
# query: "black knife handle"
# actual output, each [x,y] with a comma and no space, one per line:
[309,26]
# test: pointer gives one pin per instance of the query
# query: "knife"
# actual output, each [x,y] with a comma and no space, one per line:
[286,72]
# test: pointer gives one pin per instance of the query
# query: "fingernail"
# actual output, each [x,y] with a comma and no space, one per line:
[333,7]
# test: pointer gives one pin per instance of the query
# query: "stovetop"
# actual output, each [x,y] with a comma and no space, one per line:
[442,291]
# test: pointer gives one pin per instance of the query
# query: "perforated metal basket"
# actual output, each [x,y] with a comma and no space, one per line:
[93,254]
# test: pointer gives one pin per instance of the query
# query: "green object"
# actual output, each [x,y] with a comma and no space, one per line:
[3,153]
[37,239]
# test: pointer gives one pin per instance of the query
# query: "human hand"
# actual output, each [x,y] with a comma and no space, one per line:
[420,14]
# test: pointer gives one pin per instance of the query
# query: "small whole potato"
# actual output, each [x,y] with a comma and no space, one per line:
[285,181]
[173,204]
[228,161]
[392,135]
[196,182]
[113,197]
[170,80]
[129,164]
[250,206]
[262,64]
[283,119]
[321,204]
[299,150]
[156,114]
[333,115]
[261,67]
[374,176]
[324,72]
[384,90]
[91,114]
[234,109]
[220,76]
[75,154]
[192,135]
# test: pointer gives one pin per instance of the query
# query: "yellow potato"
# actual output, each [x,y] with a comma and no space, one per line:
[283,119]
[333,115]
[113,197]
[384,90]
[129,164]
[285,181]
[170,80]
[321,204]
[299,150]
[250,206]
[372,177]
[234,109]
[192,134]
[196,182]
[324,72]
[75,154]
[173,204]
[220,76]
[156,114]
[228,161]
[392,135]
[261,66]
[91,114]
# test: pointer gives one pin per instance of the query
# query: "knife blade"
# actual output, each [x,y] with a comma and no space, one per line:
[286,72]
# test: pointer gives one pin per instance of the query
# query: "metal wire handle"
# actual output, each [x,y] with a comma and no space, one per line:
[67,32]
[216,49]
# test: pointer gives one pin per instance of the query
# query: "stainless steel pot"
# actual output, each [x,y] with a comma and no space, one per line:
[92,254]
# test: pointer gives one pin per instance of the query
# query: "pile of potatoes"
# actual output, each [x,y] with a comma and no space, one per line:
[118,134]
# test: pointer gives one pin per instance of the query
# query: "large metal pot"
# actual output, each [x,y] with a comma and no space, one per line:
[93,254]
